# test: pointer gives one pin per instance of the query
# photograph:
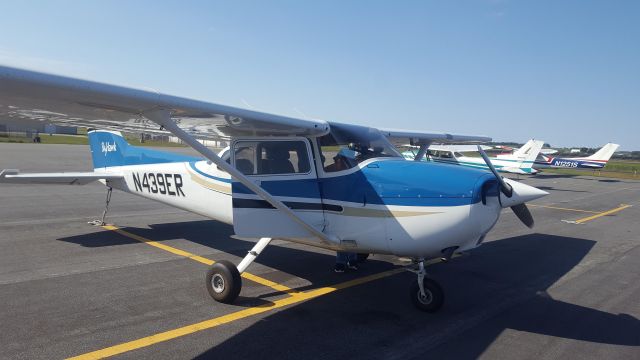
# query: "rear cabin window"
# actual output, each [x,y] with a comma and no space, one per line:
[271,157]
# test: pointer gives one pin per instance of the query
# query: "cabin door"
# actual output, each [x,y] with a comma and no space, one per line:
[284,168]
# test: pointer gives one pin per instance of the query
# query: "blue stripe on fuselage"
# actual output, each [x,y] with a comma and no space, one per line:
[192,165]
[389,182]
[572,163]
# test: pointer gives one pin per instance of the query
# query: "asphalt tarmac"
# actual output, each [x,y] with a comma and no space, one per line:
[569,288]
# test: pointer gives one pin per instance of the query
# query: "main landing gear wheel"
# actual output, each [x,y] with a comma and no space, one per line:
[432,299]
[224,282]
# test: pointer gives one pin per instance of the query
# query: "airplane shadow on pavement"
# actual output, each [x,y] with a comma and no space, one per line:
[501,285]
[293,260]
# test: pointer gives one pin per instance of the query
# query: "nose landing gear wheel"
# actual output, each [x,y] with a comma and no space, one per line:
[432,299]
[224,282]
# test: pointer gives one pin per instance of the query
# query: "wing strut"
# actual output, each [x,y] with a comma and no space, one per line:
[163,117]
[421,152]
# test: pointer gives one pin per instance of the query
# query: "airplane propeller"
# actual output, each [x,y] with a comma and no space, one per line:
[521,210]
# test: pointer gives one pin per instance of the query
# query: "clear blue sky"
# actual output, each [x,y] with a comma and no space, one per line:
[567,72]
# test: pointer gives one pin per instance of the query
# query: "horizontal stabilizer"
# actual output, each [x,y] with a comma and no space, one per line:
[62,178]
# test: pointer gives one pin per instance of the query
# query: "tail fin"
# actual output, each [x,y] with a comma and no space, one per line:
[528,153]
[109,149]
[605,153]
[527,148]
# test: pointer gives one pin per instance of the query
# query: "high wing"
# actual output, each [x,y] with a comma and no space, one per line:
[30,96]
[37,97]
[459,148]
[62,178]
[398,137]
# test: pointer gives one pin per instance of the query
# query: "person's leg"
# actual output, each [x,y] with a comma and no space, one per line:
[342,258]
[352,261]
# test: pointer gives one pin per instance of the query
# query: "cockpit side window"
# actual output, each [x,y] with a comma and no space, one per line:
[348,145]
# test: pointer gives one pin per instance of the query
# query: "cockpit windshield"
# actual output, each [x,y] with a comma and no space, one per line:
[348,145]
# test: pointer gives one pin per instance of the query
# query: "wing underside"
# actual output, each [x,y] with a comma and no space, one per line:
[29,96]
[414,137]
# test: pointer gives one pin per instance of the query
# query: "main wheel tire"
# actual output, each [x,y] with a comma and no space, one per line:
[433,299]
[361,257]
[224,282]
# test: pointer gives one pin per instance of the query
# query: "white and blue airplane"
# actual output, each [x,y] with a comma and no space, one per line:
[520,162]
[326,184]
[595,161]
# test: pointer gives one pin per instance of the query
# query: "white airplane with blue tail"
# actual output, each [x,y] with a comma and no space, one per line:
[326,184]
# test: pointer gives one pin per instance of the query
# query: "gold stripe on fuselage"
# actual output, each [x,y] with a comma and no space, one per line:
[211,185]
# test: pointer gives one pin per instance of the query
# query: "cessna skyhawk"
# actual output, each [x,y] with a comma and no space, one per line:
[327,184]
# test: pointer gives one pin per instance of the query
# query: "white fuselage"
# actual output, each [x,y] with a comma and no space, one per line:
[414,231]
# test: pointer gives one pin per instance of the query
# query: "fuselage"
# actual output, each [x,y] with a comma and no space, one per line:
[502,164]
[507,164]
[596,161]
[381,206]
[545,161]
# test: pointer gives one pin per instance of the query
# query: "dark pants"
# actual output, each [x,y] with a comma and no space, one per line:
[342,257]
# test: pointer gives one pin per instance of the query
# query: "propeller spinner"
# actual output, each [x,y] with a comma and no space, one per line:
[516,193]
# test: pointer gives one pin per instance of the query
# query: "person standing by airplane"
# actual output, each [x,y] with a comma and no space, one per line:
[346,260]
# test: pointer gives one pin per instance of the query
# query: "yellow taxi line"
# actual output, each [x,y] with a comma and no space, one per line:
[221,320]
[255,278]
[604,213]
[562,208]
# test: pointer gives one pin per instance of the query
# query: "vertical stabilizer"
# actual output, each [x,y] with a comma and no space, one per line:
[528,153]
[605,153]
[109,149]
[523,152]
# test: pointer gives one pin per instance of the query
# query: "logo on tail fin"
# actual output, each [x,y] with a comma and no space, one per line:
[107,147]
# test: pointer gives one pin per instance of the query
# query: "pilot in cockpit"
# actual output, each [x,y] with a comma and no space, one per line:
[345,159]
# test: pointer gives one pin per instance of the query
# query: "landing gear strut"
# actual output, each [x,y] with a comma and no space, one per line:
[426,294]
[223,279]
[106,209]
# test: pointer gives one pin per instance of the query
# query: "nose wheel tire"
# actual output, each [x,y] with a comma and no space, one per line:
[432,299]
[224,282]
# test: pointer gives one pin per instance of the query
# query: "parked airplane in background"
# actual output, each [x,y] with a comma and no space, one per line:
[331,185]
[511,150]
[595,161]
[520,162]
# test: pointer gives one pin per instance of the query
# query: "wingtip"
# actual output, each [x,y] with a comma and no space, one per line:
[5,172]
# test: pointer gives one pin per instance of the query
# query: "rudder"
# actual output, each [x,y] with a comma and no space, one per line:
[605,153]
